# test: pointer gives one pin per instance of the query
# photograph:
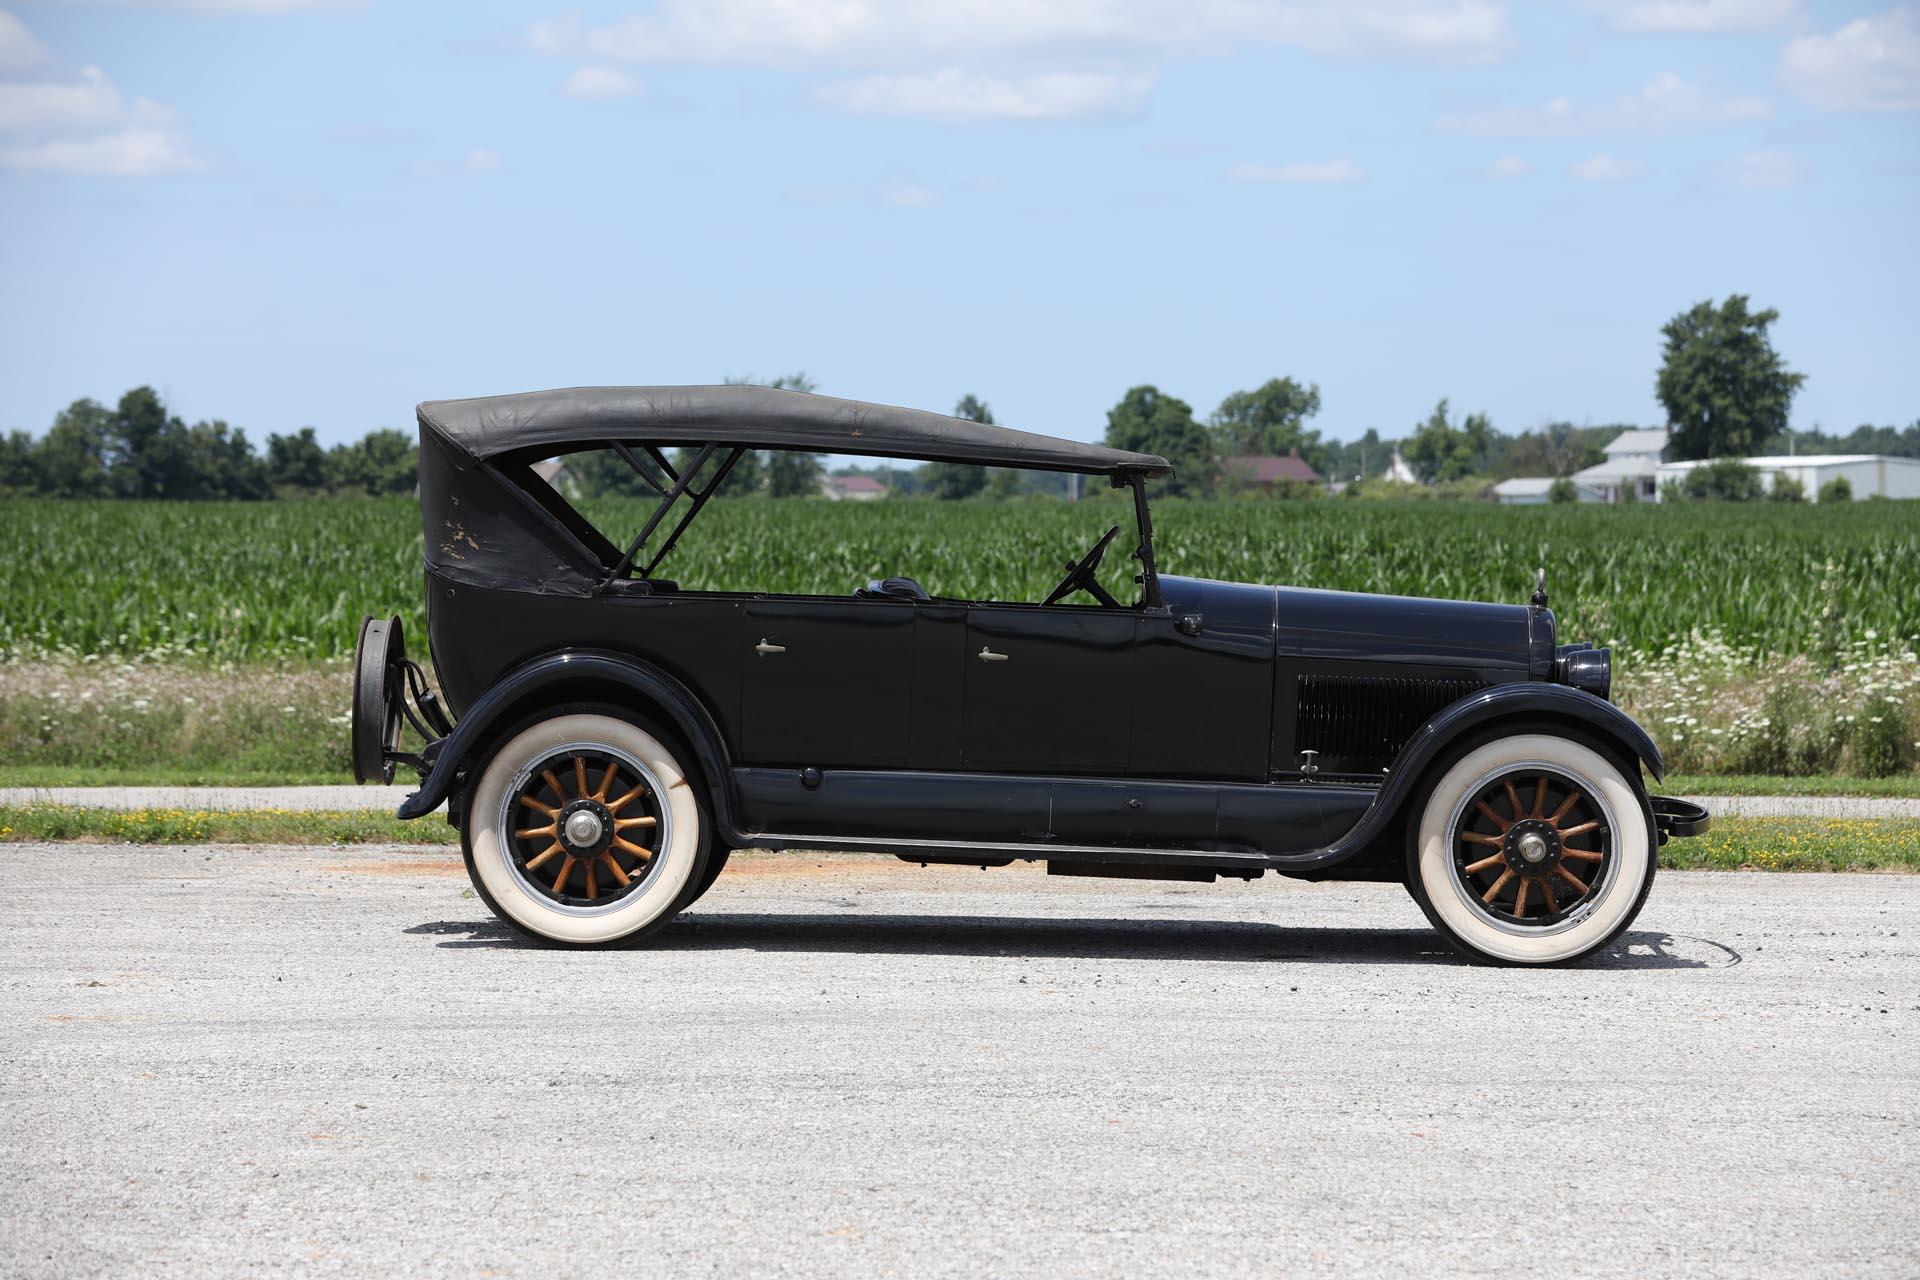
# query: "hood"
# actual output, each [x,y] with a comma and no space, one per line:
[1515,639]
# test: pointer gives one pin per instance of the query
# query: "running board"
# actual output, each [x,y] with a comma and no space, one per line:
[946,851]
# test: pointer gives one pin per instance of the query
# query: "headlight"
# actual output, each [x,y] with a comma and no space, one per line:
[1585,667]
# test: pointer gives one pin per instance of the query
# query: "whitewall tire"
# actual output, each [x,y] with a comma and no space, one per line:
[1532,849]
[584,829]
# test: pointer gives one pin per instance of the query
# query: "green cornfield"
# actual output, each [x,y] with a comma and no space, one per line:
[279,580]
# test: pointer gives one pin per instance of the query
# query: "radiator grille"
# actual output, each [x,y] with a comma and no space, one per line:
[1359,723]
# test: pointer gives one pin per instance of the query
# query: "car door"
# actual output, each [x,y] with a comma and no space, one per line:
[826,682]
[1045,689]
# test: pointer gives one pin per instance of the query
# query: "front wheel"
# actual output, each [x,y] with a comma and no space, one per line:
[584,829]
[1531,849]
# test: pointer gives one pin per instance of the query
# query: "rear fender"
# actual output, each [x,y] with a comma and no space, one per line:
[632,683]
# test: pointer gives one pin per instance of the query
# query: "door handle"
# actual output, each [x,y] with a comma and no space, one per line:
[988,655]
[763,648]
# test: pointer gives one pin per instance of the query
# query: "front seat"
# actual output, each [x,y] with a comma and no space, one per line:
[892,589]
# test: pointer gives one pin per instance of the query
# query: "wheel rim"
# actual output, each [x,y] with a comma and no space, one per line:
[583,825]
[1532,848]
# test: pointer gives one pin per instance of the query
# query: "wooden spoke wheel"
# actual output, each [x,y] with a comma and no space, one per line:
[1532,848]
[583,824]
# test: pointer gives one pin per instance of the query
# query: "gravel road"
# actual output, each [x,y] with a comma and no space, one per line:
[323,1061]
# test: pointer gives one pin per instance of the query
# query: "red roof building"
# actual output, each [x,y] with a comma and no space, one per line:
[1266,470]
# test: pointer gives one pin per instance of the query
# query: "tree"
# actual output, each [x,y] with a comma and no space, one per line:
[1562,490]
[382,461]
[72,460]
[1271,419]
[951,480]
[1838,489]
[1786,488]
[1557,449]
[1439,451]
[1725,389]
[297,461]
[19,472]
[139,452]
[1148,421]
[1723,480]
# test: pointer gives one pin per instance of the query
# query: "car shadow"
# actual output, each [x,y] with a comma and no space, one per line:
[1083,939]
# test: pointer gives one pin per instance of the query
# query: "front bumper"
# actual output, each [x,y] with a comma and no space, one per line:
[1678,819]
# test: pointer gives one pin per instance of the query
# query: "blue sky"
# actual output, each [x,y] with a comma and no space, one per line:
[289,213]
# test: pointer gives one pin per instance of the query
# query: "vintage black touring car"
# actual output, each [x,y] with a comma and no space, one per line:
[604,738]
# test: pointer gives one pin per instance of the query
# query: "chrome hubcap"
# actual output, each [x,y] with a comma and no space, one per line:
[583,829]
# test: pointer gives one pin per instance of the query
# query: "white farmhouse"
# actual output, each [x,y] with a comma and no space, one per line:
[1631,471]
[1870,475]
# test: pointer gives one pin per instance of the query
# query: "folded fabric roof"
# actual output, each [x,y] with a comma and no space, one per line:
[550,422]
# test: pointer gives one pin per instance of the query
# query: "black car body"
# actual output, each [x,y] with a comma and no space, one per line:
[1205,729]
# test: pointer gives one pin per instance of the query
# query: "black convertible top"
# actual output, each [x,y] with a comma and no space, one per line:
[547,422]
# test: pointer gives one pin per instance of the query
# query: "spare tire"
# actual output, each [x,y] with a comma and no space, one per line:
[378,686]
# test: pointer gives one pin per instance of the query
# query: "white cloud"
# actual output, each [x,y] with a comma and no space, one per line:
[91,102]
[1693,16]
[1871,64]
[129,153]
[1668,105]
[961,97]
[894,191]
[1342,169]
[855,34]
[1606,168]
[1507,167]
[19,51]
[79,123]
[1767,170]
[600,84]
[482,160]
[910,196]
[235,6]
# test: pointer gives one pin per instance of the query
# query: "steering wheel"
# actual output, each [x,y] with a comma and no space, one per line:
[1080,575]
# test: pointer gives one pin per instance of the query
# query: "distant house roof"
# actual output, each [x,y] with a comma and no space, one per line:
[1264,468]
[1645,440]
[1524,487]
[1784,461]
[857,484]
[1613,470]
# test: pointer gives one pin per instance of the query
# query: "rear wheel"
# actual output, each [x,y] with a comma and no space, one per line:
[1531,849]
[716,863]
[584,829]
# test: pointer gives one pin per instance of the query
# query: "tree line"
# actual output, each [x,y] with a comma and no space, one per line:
[1726,392]
[138,450]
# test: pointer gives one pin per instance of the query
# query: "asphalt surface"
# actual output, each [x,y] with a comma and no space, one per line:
[322,1061]
[388,798]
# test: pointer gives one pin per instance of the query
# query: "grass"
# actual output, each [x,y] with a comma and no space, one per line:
[169,775]
[1756,784]
[214,826]
[1799,844]
[1733,844]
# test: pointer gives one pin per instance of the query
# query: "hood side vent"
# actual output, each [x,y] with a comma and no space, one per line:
[1358,724]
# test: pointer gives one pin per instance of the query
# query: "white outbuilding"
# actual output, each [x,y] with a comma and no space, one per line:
[1524,491]
[1869,475]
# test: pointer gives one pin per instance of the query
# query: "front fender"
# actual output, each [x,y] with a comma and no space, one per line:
[1531,700]
[645,682]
